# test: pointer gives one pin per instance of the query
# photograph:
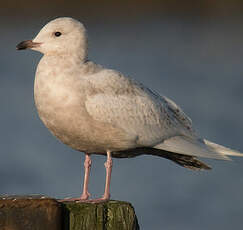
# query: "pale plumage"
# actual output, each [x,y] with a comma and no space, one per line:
[100,111]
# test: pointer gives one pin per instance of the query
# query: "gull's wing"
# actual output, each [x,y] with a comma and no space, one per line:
[188,143]
[191,147]
[130,106]
[138,116]
[145,116]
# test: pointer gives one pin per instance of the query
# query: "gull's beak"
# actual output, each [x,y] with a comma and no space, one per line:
[27,45]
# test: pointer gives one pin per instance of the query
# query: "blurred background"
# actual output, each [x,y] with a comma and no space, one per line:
[190,51]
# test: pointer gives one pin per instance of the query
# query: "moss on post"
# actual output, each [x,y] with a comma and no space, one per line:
[112,215]
[43,213]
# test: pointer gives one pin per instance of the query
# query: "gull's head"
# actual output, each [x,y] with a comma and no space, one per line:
[62,36]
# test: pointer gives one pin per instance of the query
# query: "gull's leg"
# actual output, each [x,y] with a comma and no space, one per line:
[87,165]
[108,166]
[85,195]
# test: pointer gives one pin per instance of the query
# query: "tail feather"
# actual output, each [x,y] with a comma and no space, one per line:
[186,161]
[190,162]
[222,150]
[192,147]
[183,152]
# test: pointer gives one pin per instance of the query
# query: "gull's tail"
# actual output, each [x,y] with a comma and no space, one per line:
[190,151]
[183,151]
[222,150]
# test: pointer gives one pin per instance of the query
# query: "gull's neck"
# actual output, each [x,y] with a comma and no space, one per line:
[75,59]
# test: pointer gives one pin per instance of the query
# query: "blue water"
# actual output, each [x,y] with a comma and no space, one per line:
[198,64]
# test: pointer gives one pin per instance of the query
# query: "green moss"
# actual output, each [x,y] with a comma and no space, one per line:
[112,215]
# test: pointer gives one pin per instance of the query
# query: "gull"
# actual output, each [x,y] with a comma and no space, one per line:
[100,111]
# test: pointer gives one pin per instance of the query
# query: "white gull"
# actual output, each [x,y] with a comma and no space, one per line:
[100,111]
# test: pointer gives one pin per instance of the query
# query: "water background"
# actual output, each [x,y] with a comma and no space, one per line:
[197,63]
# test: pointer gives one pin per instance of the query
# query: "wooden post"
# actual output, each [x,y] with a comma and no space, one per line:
[41,213]
[29,213]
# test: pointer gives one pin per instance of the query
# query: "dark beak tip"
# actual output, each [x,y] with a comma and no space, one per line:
[27,44]
[19,48]
[22,45]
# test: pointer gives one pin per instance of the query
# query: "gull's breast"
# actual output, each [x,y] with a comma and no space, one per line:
[60,103]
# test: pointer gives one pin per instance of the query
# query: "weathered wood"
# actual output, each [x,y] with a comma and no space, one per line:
[41,213]
[112,215]
[29,213]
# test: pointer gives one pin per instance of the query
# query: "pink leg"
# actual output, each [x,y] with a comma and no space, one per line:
[87,165]
[85,195]
[108,166]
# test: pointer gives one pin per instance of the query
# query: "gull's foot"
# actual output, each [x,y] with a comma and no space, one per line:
[76,199]
[84,198]
[99,200]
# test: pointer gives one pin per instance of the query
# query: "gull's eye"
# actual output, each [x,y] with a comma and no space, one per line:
[57,34]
